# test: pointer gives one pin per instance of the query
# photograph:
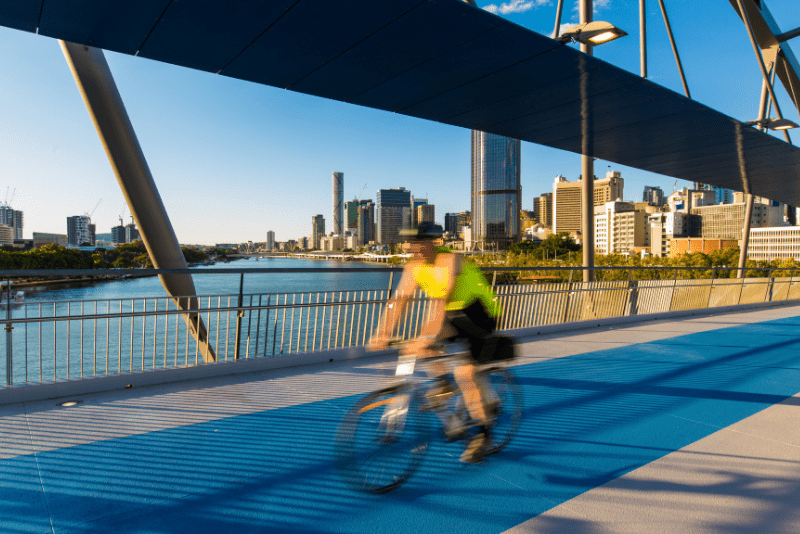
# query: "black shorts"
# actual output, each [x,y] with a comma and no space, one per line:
[474,325]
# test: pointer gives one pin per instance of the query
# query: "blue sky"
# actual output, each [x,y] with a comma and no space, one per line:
[233,159]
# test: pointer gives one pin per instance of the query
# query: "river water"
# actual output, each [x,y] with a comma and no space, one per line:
[228,284]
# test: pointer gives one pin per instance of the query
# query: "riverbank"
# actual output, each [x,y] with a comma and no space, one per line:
[38,282]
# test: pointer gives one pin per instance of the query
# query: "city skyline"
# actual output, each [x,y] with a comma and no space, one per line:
[265,156]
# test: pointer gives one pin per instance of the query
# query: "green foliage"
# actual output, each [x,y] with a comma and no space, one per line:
[717,264]
[127,256]
[46,257]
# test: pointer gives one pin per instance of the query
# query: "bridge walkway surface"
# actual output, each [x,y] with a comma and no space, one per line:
[687,425]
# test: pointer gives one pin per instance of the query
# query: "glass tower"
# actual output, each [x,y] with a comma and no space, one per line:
[496,191]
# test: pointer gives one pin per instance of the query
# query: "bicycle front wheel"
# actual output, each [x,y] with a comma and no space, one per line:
[382,439]
[507,406]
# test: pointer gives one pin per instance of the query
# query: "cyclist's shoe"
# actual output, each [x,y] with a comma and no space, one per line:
[477,448]
[454,428]
[438,394]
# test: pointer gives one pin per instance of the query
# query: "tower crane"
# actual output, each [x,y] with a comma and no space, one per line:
[95,208]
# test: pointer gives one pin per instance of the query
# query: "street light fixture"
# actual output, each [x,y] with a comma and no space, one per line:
[592,33]
[774,124]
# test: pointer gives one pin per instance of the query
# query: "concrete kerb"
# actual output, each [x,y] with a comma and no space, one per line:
[152,377]
[533,331]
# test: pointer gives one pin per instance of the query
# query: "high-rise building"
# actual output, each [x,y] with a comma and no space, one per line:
[338,201]
[317,230]
[270,241]
[451,223]
[13,219]
[567,199]
[6,235]
[80,230]
[118,235]
[620,228]
[426,213]
[415,204]
[725,221]
[351,211]
[365,227]
[653,195]
[496,189]
[543,210]
[391,203]
[464,220]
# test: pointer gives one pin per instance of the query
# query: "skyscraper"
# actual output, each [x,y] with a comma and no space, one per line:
[80,230]
[317,230]
[12,218]
[451,223]
[338,201]
[391,203]
[496,190]
[654,195]
[270,240]
[543,210]
[567,199]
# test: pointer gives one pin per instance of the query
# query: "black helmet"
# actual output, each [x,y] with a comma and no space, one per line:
[425,230]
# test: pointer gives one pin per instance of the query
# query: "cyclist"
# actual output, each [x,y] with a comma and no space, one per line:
[463,305]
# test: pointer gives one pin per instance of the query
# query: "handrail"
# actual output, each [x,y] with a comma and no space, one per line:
[283,270]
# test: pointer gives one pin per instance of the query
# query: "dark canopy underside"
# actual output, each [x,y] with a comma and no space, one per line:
[440,60]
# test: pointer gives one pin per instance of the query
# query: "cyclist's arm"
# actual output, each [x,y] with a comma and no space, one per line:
[394,308]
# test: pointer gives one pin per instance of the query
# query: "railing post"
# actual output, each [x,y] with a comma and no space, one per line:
[674,286]
[9,336]
[711,289]
[633,294]
[768,294]
[391,282]
[239,315]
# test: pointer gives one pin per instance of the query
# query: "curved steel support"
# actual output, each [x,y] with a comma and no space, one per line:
[674,48]
[105,106]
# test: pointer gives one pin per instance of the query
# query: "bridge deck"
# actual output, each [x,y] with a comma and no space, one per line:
[677,426]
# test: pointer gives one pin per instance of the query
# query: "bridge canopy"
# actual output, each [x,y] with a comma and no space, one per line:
[439,60]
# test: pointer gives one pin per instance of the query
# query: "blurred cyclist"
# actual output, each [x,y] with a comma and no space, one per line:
[462,305]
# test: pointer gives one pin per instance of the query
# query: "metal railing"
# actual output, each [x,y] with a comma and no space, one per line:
[61,340]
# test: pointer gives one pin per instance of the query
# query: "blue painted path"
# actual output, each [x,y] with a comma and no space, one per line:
[589,419]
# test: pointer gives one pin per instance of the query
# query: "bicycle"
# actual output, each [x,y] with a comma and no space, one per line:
[384,437]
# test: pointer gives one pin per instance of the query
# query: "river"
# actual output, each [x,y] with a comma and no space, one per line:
[226,284]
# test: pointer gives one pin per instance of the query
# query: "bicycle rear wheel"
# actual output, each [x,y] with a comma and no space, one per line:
[379,442]
[507,406]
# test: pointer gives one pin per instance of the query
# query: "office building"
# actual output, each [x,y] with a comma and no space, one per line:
[567,199]
[270,244]
[80,231]
[40,239]
[620,228]
[543,210]
[426,213]
[338,201]
[664,227]
[415,204]
[776,243]
[725,221]
[6,235]
[351,211]
[317,230]
[496,189]
[389,216]
[653,195]
[118,235]
[689,245]
[451,223]
[13,219]
[365,223]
